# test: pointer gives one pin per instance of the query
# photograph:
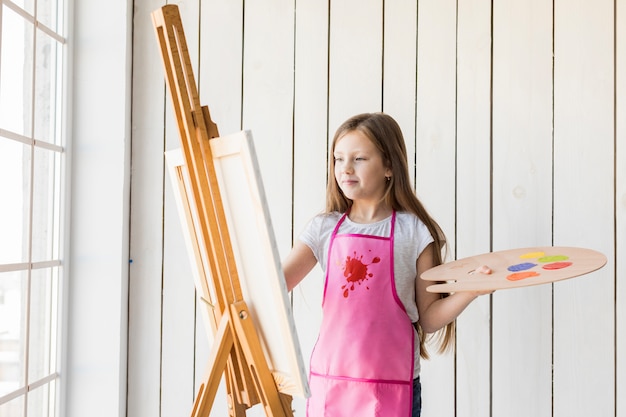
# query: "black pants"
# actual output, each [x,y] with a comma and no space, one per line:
[417,397]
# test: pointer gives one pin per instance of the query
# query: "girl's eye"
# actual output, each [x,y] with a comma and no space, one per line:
[359,159]
[337,159]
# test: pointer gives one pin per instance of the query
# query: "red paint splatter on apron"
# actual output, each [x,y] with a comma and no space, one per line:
[355,271]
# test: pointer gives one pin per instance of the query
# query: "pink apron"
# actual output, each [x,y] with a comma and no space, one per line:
[362,363]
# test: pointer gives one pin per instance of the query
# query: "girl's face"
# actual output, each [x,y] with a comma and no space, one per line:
[359,168]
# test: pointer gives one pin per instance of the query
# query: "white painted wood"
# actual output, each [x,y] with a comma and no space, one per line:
[146,238]
[219,76]
[96,265]
[268,62]
[620,207]
[584,349]
[452,90]
[436,111]
[310,165]
[400,70]
[435,175]
[178,296]
[356,30]
[473,231]
[219,88]
[522,202]
[268,104]
[178,321]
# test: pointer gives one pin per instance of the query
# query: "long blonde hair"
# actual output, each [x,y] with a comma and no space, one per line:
[386,135]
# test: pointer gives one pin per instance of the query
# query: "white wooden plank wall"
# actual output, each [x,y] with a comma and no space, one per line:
[309,158]
[513,113]
[620,203]
[147,182]
[522,203]
[584,176]
[219,81]
[435,160]
[473,209]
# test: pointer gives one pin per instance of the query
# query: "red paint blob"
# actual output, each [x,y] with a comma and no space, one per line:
[557,265]
[356,271]
[522,275]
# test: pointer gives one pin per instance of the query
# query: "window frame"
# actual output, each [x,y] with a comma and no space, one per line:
[53,264]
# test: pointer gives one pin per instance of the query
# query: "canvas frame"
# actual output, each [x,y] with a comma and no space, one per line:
[255,251]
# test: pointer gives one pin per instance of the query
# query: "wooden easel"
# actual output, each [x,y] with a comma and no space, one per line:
[236,352]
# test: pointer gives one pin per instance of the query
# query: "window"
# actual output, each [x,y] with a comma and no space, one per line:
[32,154]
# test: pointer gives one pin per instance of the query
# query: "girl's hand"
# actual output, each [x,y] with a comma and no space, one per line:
[436,312]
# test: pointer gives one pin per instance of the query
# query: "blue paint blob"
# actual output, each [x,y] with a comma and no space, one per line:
[521,267]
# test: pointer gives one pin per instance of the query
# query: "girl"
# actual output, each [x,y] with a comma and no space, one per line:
[373,241]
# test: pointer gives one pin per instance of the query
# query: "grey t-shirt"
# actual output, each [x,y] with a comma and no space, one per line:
[411,236]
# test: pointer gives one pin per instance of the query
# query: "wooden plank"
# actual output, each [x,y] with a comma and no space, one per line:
[268,78]
[400,70]
[95,236]
[584,350]
[620,206]
[146,218]
[436,111]
[473,229]
[221,52]
[310,160]
[356,29]
[522,202]
[219,87]
[435,174]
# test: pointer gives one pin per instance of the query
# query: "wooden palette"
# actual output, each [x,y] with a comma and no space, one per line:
[514,268]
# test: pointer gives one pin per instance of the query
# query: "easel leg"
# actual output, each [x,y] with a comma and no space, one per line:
[217,363]
[243,385]
[235,408]
[274,404]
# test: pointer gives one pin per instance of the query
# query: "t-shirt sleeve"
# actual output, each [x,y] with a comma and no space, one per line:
[310,236]
[424,238]
[316,235]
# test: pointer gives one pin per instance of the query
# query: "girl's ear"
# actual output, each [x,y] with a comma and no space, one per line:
[388,172]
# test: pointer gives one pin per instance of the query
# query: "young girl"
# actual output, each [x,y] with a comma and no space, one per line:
[373,241]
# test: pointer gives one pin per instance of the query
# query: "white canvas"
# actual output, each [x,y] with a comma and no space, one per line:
[254,246]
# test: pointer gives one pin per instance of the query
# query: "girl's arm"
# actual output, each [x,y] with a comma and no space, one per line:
[436,312]
[298,264]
